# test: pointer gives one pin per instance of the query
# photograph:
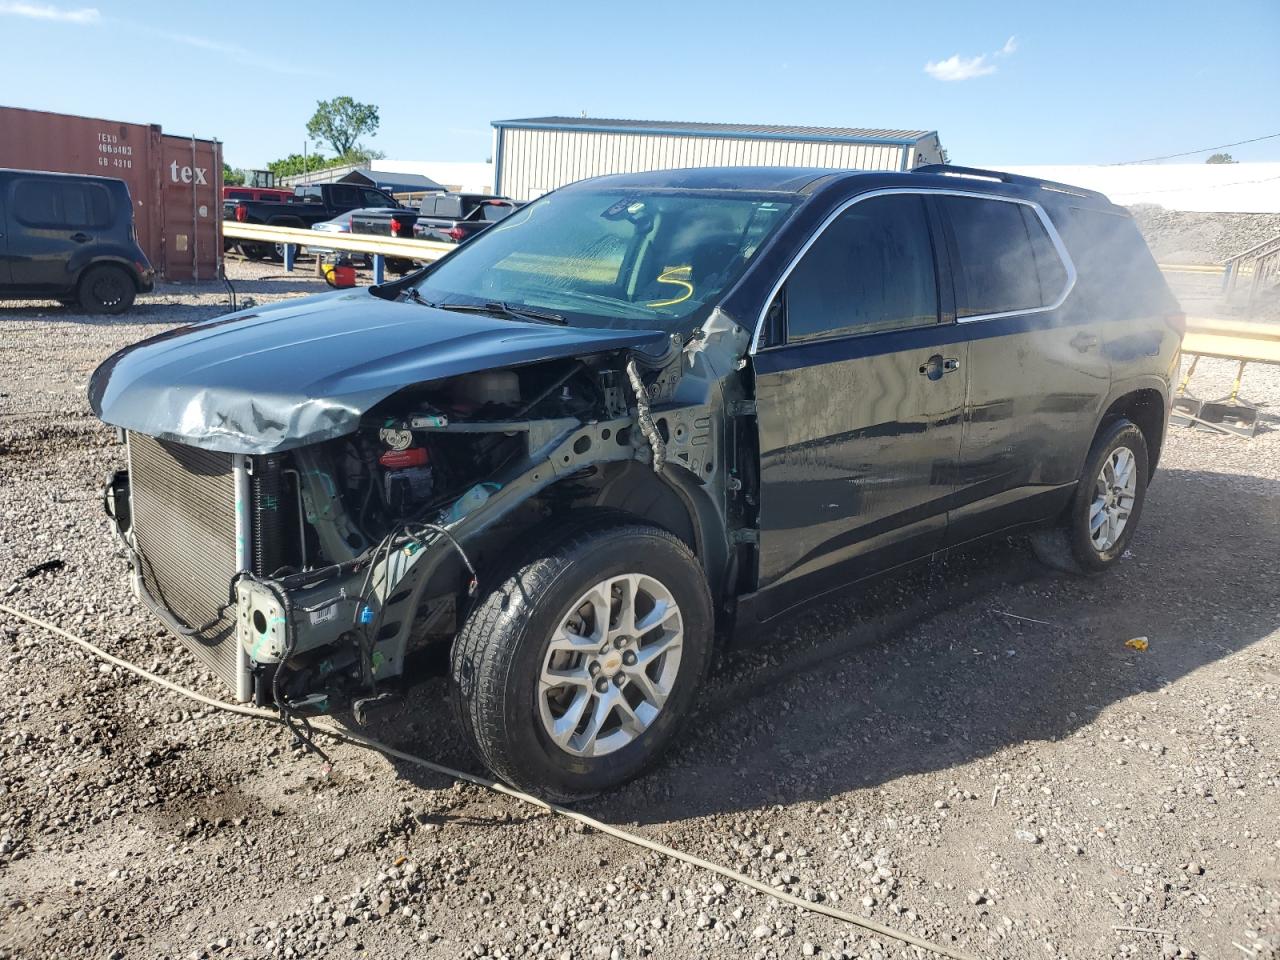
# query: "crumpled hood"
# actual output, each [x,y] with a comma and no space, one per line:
[292,374]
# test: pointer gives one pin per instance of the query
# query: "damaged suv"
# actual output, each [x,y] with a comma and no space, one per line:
[642,412]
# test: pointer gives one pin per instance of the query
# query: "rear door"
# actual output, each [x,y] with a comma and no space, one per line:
[858,400]
[58,221]
[1037,369]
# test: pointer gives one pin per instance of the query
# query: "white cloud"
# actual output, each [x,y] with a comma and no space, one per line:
[46,11]
[959,68]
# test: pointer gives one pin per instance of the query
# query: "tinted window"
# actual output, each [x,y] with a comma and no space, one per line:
[1116,274]
[871,269]
[36,203]
[341,196]
[493,212]
[1007,261]
[1049,266]
[375,198]
[61,205]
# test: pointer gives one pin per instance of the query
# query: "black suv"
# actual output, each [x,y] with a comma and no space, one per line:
[70,238]
[637,413]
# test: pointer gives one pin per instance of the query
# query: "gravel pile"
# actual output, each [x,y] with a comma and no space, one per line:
[1181,236]
[969,751]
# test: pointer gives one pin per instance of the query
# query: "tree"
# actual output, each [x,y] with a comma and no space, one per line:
[295,163]
[1221,158]
[232,177]
[341,122]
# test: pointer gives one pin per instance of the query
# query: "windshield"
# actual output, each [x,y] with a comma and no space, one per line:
[612,258]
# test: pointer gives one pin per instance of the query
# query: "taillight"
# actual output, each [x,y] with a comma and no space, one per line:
[241,214]
[396,226]
[456,234]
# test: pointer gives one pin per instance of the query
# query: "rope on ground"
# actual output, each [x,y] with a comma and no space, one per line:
[598,825]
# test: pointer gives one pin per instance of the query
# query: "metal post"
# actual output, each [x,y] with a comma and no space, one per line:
[290,256]
[379,269]
[244,560]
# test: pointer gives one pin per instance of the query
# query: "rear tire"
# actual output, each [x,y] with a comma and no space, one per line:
[106,290]
[554,690]
[1098,524]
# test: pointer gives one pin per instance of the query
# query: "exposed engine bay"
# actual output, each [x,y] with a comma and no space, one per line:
[368,547]
[363,509]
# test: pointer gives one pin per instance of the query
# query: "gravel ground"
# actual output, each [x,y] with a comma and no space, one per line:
[970,752]
[1184,236]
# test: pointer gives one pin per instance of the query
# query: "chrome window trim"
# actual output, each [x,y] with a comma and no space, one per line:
[1054,238]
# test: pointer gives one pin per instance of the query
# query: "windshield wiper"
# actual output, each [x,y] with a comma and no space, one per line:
[502,309]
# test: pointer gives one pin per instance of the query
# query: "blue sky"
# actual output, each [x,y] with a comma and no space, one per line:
[1079,82]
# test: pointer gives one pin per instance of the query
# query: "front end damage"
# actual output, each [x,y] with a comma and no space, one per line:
[312,574]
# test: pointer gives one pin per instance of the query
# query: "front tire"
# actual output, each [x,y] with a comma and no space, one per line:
[1103,514]
[105,289]
[575,672]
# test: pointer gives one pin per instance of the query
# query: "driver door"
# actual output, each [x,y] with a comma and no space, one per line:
[858,401]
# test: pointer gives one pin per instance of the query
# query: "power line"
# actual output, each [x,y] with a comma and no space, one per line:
[1172,156]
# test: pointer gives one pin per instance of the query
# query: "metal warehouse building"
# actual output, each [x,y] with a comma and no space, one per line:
[539,154]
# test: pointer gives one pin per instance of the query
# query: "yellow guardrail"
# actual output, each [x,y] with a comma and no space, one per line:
[1243,340]
[1216,269]
[398,247]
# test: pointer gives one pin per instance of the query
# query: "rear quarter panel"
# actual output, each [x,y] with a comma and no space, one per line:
[1119,283]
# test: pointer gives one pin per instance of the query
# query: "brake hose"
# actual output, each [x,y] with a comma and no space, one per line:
[369,743]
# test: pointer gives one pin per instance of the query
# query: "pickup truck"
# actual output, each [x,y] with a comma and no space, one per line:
[444,217]
[309,205]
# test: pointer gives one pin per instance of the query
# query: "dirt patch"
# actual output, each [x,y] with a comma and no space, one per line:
[968,751]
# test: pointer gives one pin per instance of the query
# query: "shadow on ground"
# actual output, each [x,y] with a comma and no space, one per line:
[932,668]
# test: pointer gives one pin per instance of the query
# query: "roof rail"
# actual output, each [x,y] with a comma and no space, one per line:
[952,170]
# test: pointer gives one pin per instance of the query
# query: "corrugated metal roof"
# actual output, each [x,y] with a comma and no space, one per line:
[750,130]
[401,182]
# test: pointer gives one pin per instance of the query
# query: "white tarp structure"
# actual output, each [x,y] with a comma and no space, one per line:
[1204,187]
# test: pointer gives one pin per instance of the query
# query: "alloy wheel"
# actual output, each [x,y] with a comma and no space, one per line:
[610,665]
[1114,493]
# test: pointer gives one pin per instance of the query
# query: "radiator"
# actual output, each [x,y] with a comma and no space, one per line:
[185,508]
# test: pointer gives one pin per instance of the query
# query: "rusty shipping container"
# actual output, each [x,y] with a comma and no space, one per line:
[175,182]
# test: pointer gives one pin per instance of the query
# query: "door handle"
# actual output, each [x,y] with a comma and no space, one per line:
[1084,342]
[81,237]
[936,366]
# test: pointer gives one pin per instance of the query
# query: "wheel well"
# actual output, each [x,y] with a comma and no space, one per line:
[627,490]
[110,265]
[1146,409]
[633,488]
